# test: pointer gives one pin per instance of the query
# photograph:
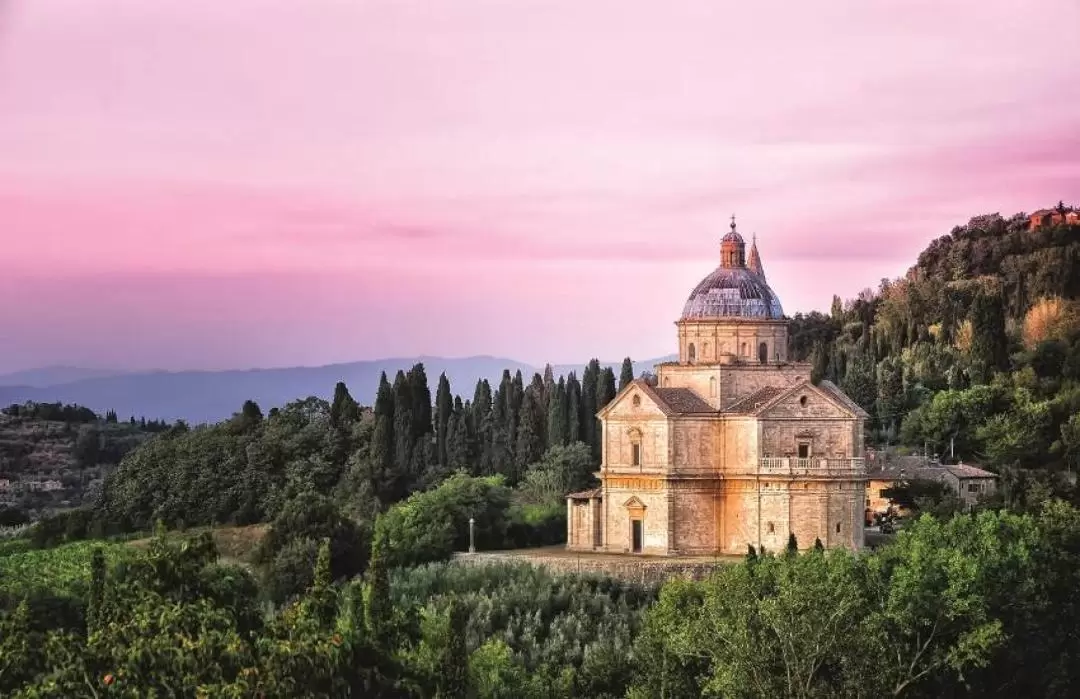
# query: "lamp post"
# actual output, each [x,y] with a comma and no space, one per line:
[472,547]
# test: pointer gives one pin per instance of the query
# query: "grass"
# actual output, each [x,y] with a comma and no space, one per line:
[236,545]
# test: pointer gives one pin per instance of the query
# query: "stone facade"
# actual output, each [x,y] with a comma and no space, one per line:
[733,446]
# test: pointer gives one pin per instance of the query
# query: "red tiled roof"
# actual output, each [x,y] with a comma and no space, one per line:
[683,400]
[586,494]
[755,400]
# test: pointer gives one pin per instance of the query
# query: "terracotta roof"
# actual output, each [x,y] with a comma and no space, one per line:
[755,400]
[586,494]
[968,471]
[683,401]
[938,472]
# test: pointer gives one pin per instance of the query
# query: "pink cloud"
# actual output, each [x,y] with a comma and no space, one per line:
[555,155]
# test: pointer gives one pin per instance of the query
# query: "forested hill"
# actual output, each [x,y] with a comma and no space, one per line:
[977,346]
[56,456]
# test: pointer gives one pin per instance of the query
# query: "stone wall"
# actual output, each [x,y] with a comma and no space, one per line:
[620,501]
[643,571]
[713,340]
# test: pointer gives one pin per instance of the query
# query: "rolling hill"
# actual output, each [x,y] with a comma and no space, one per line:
[208,396]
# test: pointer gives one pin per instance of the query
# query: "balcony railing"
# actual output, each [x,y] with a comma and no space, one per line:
[814,466]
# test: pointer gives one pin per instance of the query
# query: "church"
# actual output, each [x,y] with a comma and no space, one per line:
[732,444]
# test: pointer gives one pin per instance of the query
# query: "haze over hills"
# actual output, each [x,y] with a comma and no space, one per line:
[208,396]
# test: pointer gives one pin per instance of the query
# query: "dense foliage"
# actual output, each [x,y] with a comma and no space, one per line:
[979,605]
[973,355]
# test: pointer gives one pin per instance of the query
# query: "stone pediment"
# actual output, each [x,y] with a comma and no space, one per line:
[634,504]
[640,399]
[805,400]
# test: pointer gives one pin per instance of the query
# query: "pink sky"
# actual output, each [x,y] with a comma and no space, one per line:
[216,184]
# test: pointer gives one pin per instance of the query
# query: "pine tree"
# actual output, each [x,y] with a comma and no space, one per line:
[556,416]
[627,373]
[344,411]
[444,408]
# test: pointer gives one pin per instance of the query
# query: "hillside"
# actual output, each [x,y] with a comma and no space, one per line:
[209,396]
[973,354]
[57,456]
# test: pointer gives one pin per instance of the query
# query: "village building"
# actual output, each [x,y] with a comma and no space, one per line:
[968,482]
[733,445]
[1053,217]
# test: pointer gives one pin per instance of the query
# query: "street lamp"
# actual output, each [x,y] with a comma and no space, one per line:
[472,547]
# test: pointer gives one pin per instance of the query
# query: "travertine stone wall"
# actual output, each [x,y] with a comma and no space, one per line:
[713,339]
[635,417]
[617,517]
[732,381]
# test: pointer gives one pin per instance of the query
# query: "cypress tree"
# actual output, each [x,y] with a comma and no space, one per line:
[818,545]
[457,441]
[403,436]
[96,602]
[444,408]
[383,444]
[420,401]
[627,373]
[343,410]
[573,409]
[378,608]
[498,457]
[989,343]
[549,385]
[530,439]
[454,666]
[605,392]
[556,416]
[515,398]
[751,553]
[590,382]
[322,597]
[792,544]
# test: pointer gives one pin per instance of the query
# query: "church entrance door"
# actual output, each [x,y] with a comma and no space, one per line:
[635,535]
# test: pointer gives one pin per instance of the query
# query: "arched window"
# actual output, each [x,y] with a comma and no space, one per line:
[763,352]
[667,382]
[772,529]
[691,352]
[743,351]
[712,387]
[705,352]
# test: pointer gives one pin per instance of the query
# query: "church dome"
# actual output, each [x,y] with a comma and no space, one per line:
[733,292]
[734,289]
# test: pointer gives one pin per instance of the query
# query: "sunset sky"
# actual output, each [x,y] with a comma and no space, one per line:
[240,183]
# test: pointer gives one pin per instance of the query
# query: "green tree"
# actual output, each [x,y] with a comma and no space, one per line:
[344,411]
[444,409]
[626,375]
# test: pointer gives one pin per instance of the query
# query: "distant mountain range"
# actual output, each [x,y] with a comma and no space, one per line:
[209,396]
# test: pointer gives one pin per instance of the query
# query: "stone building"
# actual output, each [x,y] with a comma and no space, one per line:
[969,482]
[733,445]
